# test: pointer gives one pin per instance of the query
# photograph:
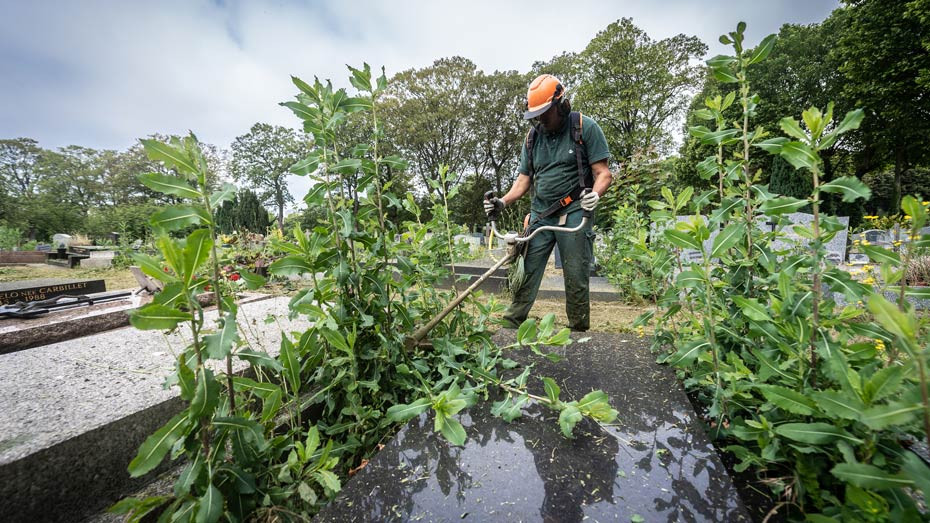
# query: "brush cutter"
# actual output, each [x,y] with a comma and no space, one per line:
[515,248]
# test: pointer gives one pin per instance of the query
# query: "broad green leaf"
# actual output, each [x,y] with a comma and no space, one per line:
[720,60]
[787,399]
[881,255]
[337,340]
[799,155]
[290,363]
[752,308]
[351,105]
[782,205]
[178,217]
[196,251]
[838,404]
[168,184]
[687,353]
[723,136]
[568,418]
[850,121]
[226,193]
[206,395]
[851,188]
[306,166]
[683,239]
[761,52]
[597,405]
[402,413]
[526,334]
[891,318]
[252,281]
[290,266]
[727,238]
[450,429]
[210,507]
[302,111]
[869,476]
[152,267]
[328,480]
[813,433]
[724,75]
[884,382]
[915,210]
[690,279]
[260,359]
[173,157]
[157,317]
[882,416]
[792,128]
[552,390]
[219,345]
[155,447]
[772,145]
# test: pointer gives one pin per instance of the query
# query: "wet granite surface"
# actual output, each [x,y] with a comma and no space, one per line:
[655,462]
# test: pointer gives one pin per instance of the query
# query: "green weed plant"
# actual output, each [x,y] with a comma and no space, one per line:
[821,400]
[276,442]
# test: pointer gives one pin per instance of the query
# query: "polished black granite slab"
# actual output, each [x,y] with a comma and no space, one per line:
[655,464]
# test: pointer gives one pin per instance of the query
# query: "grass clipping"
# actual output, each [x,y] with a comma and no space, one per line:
[517,273]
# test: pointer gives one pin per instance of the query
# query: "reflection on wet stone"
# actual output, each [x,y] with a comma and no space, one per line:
[657,462]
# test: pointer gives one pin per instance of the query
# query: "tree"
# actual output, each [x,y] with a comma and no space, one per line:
[884,64]
[18,158]
[637,88]
[426,114]
[263,156]
[251,215]
[498,126]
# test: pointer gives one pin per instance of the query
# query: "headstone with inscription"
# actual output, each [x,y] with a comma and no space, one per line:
[43,289]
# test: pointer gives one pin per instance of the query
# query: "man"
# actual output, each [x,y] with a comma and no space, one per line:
[566,183]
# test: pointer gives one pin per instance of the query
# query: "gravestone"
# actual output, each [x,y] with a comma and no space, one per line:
[43,247]
[836,247]
[43,289]
[61,240]
[655,462]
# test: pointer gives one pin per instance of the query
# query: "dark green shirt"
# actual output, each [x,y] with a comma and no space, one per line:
[554,161]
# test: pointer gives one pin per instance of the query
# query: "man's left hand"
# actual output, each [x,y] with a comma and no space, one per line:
[589,201]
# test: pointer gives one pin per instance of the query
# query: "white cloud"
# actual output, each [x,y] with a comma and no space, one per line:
[103,73]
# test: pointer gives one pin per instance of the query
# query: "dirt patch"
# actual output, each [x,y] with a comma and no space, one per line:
[613,317]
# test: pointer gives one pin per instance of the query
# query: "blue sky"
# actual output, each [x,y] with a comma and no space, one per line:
[104,73]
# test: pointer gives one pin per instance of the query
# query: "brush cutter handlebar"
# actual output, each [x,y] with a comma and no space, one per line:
[512,237]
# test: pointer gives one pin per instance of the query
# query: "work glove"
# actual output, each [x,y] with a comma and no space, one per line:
[589,201]
[493,205]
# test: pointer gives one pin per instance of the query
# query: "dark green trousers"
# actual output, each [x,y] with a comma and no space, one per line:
[576,250]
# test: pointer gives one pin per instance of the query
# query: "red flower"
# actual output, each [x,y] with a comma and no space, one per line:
[207,288]
[166,269]
[234,276]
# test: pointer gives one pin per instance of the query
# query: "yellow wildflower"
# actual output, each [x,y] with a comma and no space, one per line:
[869,281]
[879,344]
[641,331]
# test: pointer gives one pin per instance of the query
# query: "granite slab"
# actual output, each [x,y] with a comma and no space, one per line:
[655,462]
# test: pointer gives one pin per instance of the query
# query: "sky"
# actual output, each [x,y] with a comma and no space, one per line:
[102,74]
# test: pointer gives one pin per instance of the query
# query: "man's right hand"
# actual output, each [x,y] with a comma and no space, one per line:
[494,205]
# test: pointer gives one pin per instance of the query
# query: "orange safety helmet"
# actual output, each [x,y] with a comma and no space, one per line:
[544,90]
